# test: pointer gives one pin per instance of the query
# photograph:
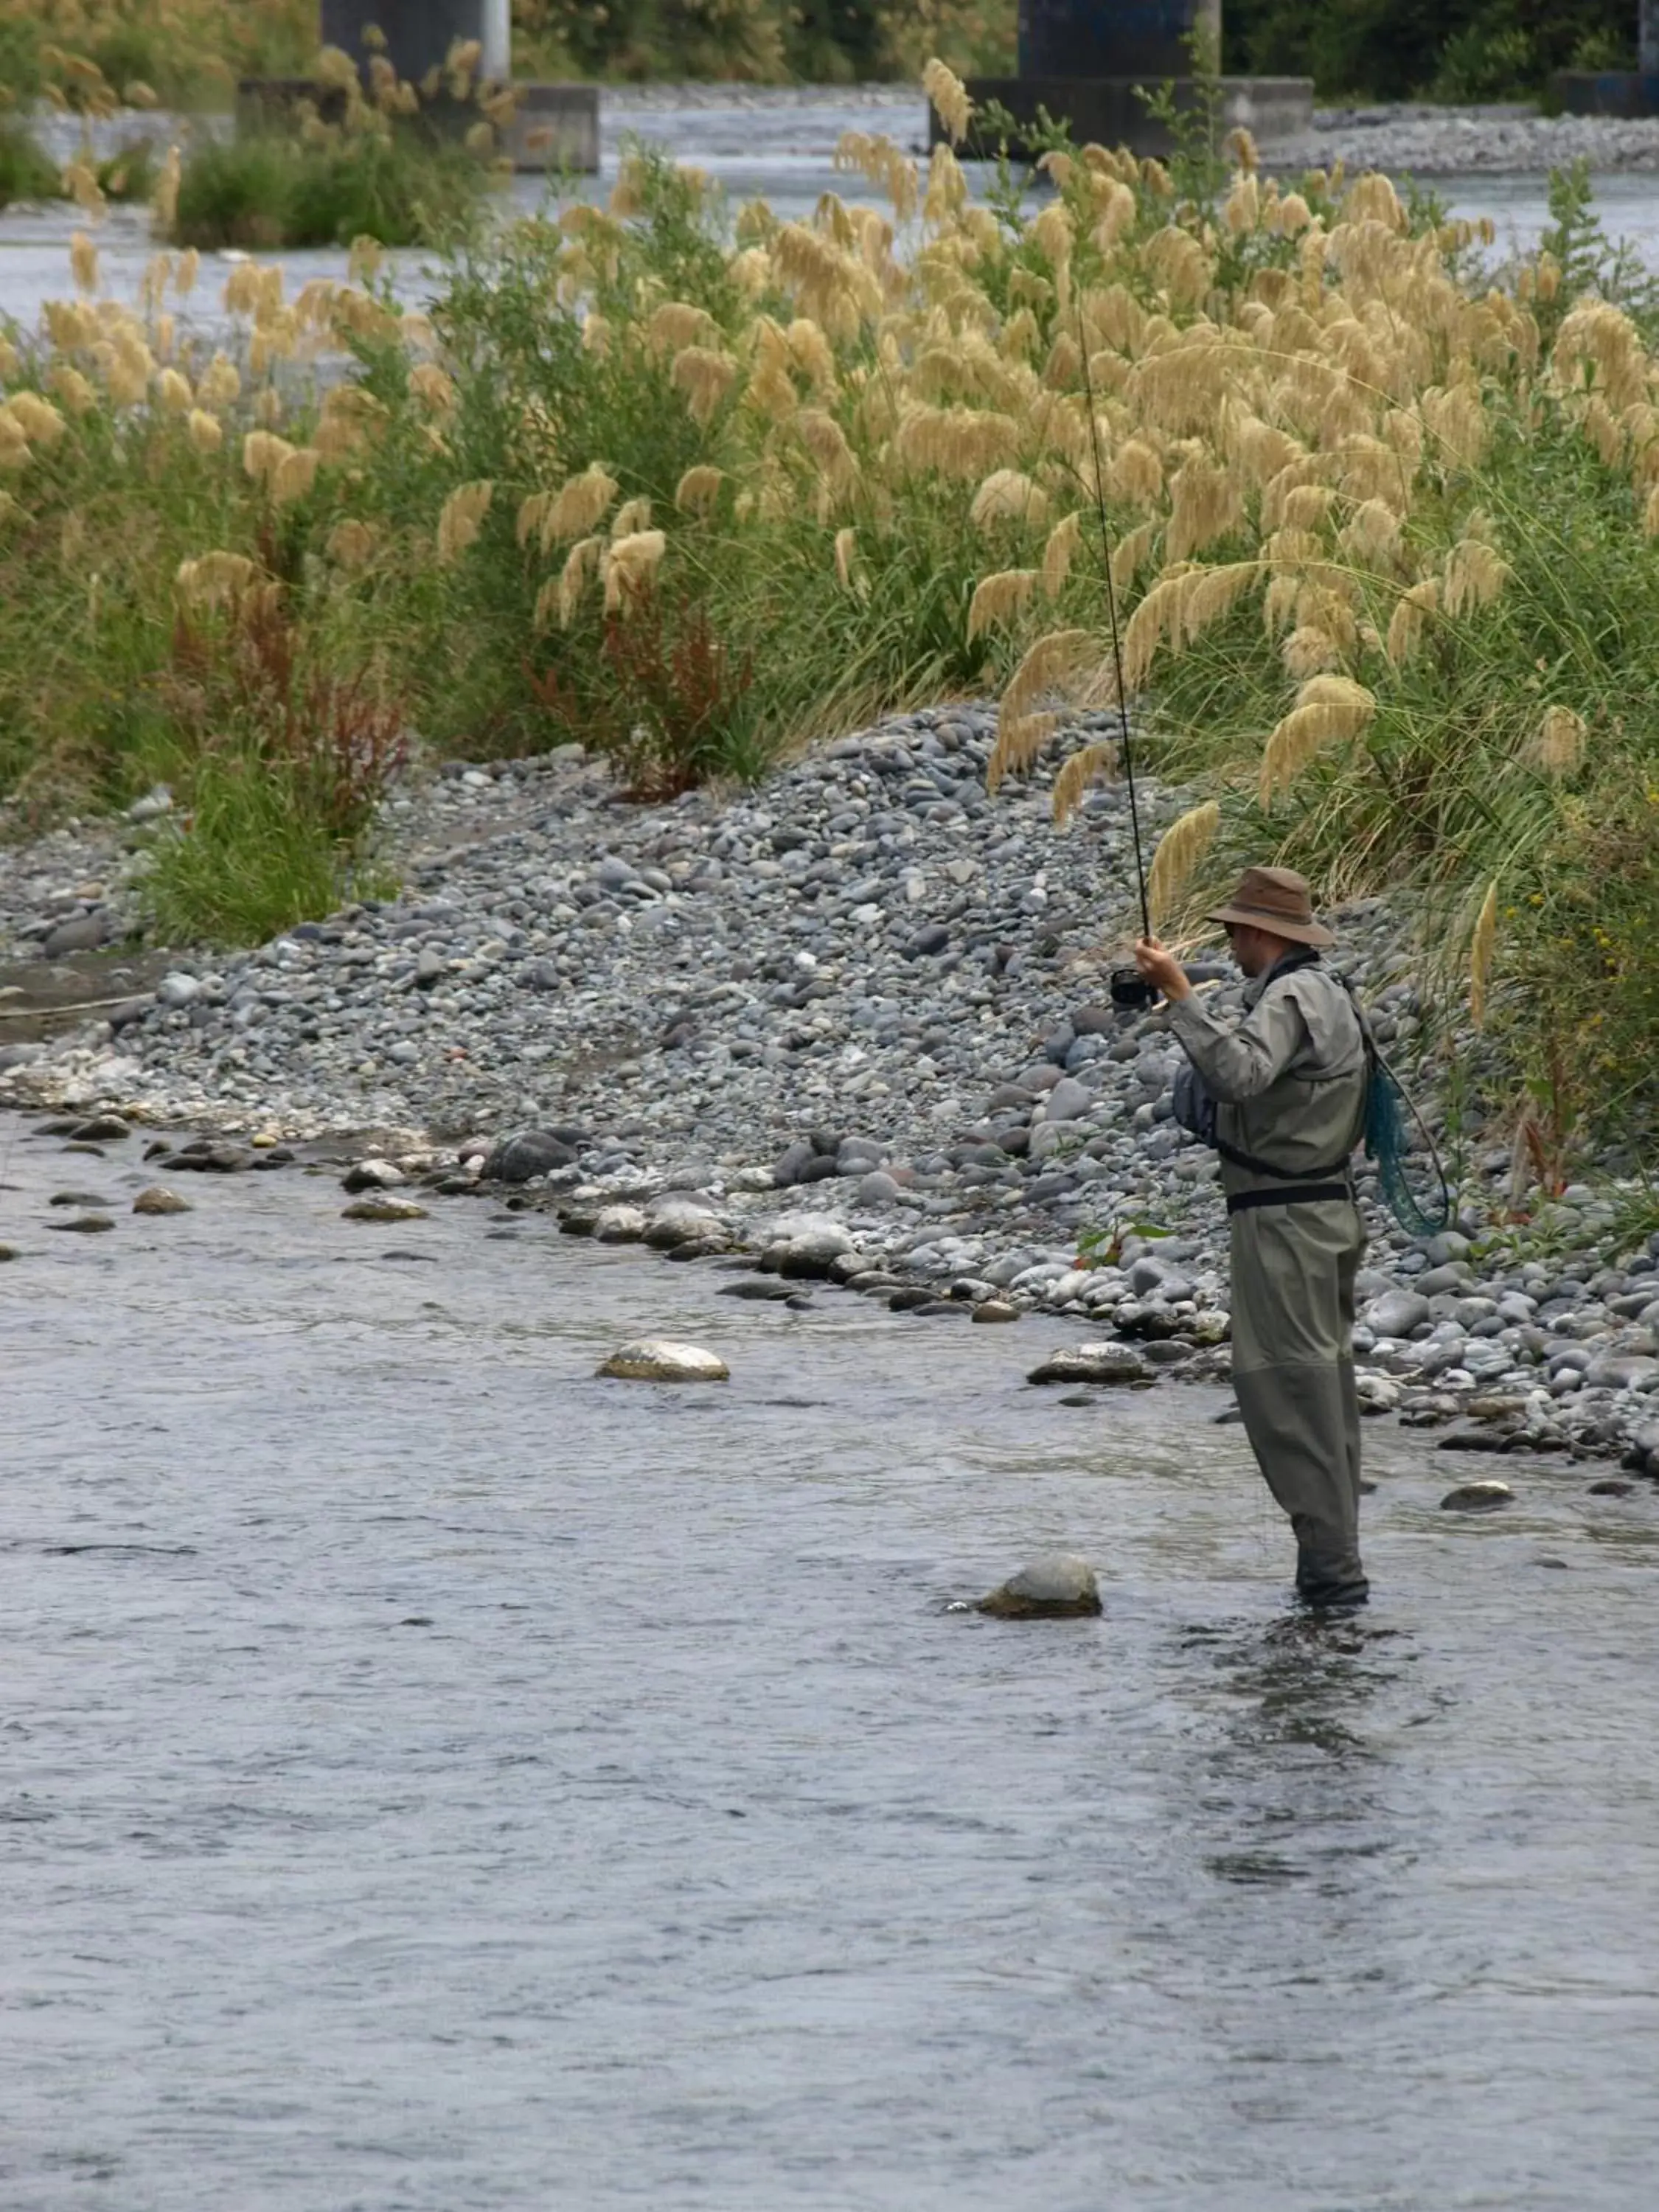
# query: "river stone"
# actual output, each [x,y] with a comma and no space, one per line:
[655,1360]
[1092,1363]
[1483,1497]
[1069,1099]
[86,1224]
[102,1129]
[678,1223]
[619,1225]
[6,1252]
[384,1209]
[85,934]
[372,1174]
[1620,1370]
[1396,1313]
[532,1153]
[993,1310]
[159,1199]
[1057,1586]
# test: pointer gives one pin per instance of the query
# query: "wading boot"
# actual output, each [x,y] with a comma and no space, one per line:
[1327,1576]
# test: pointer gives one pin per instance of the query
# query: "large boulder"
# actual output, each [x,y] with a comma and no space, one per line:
[534,1152]
[1396,1313]
[805,1246]
[1056,1586]
[656,1359]
[679,1221]
[1093,1362]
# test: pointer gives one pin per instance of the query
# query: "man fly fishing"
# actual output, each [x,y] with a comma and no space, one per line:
[1281,1095]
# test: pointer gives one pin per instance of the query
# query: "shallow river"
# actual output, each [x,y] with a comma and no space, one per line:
[435,1780]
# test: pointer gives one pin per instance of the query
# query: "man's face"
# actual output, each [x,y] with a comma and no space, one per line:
[1251,947]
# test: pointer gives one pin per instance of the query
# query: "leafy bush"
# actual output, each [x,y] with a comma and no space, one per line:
[1399,49]
[25,172]
[263,191]
[286,763]
[93,54]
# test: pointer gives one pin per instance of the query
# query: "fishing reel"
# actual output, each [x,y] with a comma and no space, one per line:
[1131,993]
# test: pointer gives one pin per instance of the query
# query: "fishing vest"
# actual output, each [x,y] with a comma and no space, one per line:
[1304,1126]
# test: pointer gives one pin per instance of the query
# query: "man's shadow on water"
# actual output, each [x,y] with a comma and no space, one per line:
[1292,1786]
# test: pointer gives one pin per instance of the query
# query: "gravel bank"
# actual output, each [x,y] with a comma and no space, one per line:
[1422,141]
[855,1022]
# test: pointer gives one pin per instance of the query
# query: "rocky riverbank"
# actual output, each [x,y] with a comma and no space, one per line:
[854,1025]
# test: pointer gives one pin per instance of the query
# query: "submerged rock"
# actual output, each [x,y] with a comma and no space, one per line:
[385,1208]
[87,1224]
[1477,1497]
[656,1359]
[1093,1362]
[159,1199]
[1056,1586]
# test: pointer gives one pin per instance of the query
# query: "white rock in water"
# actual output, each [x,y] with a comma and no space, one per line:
[1057,1586]
[654,1359]
[619,1225]
[373,1173]
[1477,1497]
[383,1208]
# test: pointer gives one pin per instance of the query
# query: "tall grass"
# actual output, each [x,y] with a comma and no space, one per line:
[92,55]
[1382,528]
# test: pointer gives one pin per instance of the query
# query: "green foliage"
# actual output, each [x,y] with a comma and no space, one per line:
[760,41]
[263,191]
[25,172]
[754,645]
[186,54]
[1453,49]
[284,763]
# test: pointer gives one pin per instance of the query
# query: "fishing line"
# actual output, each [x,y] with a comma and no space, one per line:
[1128,987]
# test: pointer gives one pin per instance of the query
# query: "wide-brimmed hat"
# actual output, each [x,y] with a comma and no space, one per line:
[1275,899]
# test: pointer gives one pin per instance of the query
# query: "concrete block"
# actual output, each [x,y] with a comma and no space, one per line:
[1108,111]
[556,126]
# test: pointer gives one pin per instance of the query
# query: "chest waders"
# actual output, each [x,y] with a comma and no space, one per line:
[1297,1240]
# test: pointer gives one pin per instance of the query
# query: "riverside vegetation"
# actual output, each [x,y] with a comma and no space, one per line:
[189,53]
[1381,525]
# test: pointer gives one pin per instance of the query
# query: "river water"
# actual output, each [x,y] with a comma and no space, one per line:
[435,1780]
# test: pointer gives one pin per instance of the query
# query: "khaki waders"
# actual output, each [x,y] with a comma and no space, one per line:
[1289,1083]
[1293,1268]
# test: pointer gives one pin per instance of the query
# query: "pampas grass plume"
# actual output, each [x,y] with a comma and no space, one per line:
[699,488]
[1007,495]
[1000,599]
[629,564]
[1182,851]
[1556,747]
[578,506]
[1481,945]
[1328,710]
[950,97]
[1072,784]
[461,518]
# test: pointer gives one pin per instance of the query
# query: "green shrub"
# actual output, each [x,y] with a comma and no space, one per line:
[25,172]
[282,762]
[263,191]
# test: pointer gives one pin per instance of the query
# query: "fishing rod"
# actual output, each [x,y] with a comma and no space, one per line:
[1129,988]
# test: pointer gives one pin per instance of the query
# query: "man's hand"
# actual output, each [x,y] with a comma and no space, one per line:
[1160,967]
